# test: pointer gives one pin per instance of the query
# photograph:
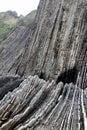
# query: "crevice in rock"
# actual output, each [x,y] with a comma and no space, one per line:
[42,76]
[68,76]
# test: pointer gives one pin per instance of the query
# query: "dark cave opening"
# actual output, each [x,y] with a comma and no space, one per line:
[42,76]
[68,76]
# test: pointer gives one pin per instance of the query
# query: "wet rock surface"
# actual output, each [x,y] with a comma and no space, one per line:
[42,105]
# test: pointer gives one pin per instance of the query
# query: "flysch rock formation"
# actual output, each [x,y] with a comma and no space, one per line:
[52,46]
[57,39]
[12,48]
[42,105]
[55,49]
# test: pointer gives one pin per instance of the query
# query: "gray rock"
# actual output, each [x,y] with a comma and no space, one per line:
[11,49]
[58,37]
[53,44]
[37,104]
[55,48]
[8,83]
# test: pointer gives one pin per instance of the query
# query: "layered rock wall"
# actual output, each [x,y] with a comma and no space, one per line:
[40,105]
[12,48]
[56,39]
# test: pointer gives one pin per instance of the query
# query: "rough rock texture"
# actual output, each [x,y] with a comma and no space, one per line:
[56,48]
[12,48]
[40,105]
[56,40]
[8,83]
[53,44]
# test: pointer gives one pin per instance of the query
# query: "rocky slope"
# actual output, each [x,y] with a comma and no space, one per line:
[9,20]
[40,105]
[55,49]
[12,48]
[28,19]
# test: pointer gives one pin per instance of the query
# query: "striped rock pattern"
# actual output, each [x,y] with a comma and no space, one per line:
[42,105]
[56,40]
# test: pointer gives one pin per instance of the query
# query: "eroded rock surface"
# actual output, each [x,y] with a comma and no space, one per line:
[56,40]
[42,105]
[54,43]
[12,48]
[53,48]
[9,83]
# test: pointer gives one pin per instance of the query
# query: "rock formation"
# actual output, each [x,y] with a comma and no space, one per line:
[57,39]
[40,105]
[12,48]
[54,42]
[55,49]
[9,83]
[10,20]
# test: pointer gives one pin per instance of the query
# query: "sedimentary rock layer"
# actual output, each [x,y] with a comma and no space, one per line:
[42,105]
[12,48]
[56,40]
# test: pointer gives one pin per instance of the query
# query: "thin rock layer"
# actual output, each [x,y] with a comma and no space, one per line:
[42,105]
[56,40]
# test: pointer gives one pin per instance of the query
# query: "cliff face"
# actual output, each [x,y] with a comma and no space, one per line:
[55,48]
[56,40]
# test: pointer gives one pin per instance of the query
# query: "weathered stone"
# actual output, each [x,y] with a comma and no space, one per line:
[37,104]
[9,83]
[56,40]
[12,48]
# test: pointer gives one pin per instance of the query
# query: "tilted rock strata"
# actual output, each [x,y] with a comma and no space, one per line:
[56,39]
[12,48]
[39,104]
[52,46]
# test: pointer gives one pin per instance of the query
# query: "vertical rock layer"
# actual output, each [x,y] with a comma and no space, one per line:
[56,40]
[56,48]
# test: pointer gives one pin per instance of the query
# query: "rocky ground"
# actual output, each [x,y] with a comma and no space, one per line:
[42,105]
